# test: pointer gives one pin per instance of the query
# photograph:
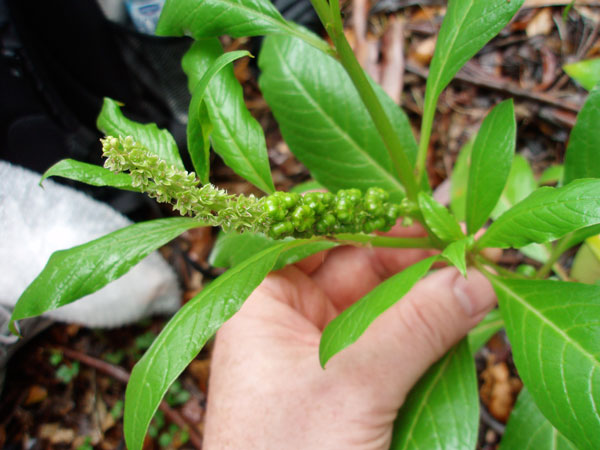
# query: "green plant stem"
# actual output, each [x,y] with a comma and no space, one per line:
[356,73]
[336,14]
[383,241]
[481,260]
[426,125]
[560,247]
[324,13]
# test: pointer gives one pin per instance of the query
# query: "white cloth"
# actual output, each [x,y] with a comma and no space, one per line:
[35,222]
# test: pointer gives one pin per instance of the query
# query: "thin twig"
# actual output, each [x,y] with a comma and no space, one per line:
[502,86]
[582,51]
[122,375]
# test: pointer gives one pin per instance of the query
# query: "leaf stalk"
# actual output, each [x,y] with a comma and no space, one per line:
[333,25]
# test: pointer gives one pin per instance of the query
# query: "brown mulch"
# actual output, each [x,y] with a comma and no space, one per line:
[65,389]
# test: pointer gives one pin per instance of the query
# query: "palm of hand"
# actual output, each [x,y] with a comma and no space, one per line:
[267,389]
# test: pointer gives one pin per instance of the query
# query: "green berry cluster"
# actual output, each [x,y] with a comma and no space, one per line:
[323,213]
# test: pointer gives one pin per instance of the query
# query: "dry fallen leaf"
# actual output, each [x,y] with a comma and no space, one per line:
[498,390]
[423,51]
[55,434]
[541,24]
[36,394]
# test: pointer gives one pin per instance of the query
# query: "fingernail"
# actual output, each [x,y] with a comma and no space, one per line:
[474,294]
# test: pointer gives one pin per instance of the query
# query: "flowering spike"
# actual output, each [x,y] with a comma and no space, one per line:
[279,215]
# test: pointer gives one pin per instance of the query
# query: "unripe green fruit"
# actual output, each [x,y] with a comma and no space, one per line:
[281,229]
[314,201]
[325,224]
[274,209]
[303,218]
[377,193]
[348,211]
[375,208]
[290,199]
[353,196]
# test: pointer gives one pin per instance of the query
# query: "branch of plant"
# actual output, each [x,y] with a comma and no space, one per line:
[383,241]
[356,73]
[120,374]
[323,11]
[426,126]
[480,261]
[552,263]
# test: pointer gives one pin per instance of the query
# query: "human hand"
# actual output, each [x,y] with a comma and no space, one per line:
[267,389]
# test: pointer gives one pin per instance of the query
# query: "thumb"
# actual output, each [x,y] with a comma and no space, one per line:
[407,339]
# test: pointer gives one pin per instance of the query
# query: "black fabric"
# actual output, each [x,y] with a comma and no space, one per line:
[59,59]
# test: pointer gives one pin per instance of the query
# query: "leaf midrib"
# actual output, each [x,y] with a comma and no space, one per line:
[334,124]
[161,344]
[442,369]
[519,211]
[523,301]
[261,15]
[457,29]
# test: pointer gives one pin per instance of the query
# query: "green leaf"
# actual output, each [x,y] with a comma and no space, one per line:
[438,219]
[236,136]
[199,127]
[467,27]
[553,174]
[538,252]
[459,177]
[111,121]
[455,253]
[547,214]
[212,18]
[586,264]
[586,73]
[185,335]
[81,270]
[324,121]
[346,328]
[231,249]
[491,160]
[89,174]
[528,429]
[198,130]
[582,159]
[554,331]
[580,235]
[442,410]
[310,185]
[295,254]
[519,185]
[490,325]
[236,18]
